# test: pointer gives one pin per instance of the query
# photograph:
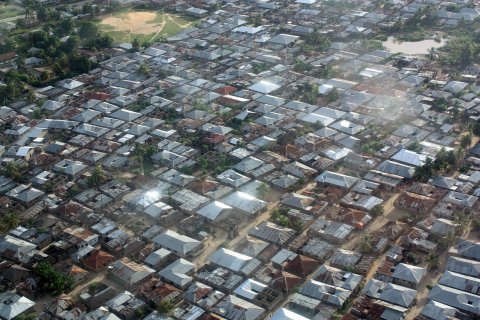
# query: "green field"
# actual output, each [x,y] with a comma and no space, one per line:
[8,11]
[145,25]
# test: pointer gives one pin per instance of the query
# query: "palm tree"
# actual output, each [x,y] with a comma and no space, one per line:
[455,111]
[140,152]
[465,142]
[144,69]
[97,177]
[461,220]
[431,54]
[262,190]
[432,260]
[366,244]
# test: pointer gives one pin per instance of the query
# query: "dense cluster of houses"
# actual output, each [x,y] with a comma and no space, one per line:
[255,204]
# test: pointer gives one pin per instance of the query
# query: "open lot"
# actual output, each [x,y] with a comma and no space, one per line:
[142,24]
[8,11]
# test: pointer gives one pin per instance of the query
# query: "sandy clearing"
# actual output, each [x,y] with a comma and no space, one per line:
[140,22]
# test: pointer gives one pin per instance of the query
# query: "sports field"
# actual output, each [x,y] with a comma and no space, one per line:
[145,25]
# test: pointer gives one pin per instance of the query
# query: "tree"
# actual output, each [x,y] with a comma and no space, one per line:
[65,27]
[71,44]
[455,110]
[321,41]
[136,44]
[37,113]
[333,95]
[465,142]
[105,41]
[366,244]
[476,128]
[51,280]
[165,307]
[10,221]
[12,170]
[446,241]
[7,46]
[144,69]
[431,54]
[256,20]
[378,210]
[87,8]
[461,220]
[97,177]
[79,64]
[88,30]
[411,258]
[432,260]
[140,153]
[262,190]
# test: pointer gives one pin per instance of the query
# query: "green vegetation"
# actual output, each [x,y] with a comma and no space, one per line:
[280,217]
[333,95]
[215,162]
[319,41]
[465,142]
[372,44]
[52,281]
[260,67]
[432,261]
[165,307]
[366,243]
[13,170]
[415,146]
[378,210]
[30,316]
[97,177]
[308,93]
[412,258]
[143,154]
[461,220]
[263,190]
[445,160]
[8,11]
[302,66]
[256,20]
[9,221]
[460,52]
[372,147]
[476,128]
[415,28]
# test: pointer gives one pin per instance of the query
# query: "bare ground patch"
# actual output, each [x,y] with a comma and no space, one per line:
[139,22]
[145,25]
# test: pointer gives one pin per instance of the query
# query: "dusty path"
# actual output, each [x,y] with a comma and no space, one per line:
[183,26]
[161,25]
[391,214]
[212,245]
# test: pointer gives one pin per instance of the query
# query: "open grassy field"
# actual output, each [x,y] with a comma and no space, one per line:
[128,24]
[8,11]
